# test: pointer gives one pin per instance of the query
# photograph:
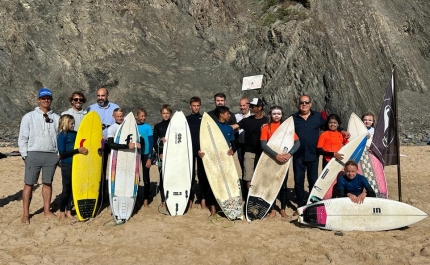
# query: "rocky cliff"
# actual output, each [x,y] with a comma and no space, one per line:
[165,51]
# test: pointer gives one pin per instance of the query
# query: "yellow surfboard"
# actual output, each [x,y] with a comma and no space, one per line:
[87,169]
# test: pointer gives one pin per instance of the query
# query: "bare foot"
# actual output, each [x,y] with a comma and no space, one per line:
[295,213]
[190,205]
[213,210]
[272,214]
[25,220]
[283,214]
[69,214]
[62,216]
[50,214]
[145,203]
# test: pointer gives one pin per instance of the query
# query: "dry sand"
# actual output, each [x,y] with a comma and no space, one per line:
[154,238]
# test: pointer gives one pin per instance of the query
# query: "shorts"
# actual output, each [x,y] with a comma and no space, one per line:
[248,165]
[36,161]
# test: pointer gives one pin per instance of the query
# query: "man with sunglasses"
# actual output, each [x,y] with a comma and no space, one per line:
[308,125]
[77,100]
[37,143]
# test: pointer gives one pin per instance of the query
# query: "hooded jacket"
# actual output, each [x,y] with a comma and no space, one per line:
[35,134]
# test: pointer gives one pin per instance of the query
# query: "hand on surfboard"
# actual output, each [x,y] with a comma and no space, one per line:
[346,134]
[283,158]
[83,150]
[131,145]
[201,154]
[338,156]
[357,199]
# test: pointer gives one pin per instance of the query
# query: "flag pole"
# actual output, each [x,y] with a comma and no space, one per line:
[399,172]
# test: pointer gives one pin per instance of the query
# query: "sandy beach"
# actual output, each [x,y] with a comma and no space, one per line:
[151,237]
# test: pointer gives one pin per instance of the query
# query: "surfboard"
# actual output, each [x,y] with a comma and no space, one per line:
[324,185]
[177,164]
[87,169]
[220,169]
[369,166]
[374,214]
[123,173]
[269,174]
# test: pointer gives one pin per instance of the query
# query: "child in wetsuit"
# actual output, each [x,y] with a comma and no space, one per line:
[353,185]
[66,142]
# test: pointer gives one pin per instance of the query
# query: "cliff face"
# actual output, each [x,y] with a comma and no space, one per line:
[165,51]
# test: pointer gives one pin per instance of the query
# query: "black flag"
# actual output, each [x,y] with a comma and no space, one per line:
[384,144]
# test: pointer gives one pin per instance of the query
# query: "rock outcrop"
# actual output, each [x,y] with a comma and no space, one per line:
[165,51]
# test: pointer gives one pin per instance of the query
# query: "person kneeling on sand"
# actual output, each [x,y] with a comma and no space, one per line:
[354,185]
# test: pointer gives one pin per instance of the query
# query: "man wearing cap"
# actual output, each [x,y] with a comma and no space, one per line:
[219,100]
[37,143]
[252,148]
[77,100]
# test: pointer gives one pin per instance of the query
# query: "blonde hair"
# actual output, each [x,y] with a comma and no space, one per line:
[140,110]
[63,125]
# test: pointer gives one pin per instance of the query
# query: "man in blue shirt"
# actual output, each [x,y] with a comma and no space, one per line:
[105,109]
[308,124]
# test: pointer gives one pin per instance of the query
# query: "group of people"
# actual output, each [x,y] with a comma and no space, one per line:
[46,139]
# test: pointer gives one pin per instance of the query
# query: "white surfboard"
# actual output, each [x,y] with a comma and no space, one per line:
[369,166]
[123,173]
[177,164]
[324,184]
[374,214]
[269,174]
[220,169]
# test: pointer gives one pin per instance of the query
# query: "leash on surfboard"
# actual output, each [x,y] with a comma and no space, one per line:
[218,218]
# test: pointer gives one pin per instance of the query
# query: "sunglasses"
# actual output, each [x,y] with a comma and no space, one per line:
[304,102]
[47,119]
[78,100]
[252,106]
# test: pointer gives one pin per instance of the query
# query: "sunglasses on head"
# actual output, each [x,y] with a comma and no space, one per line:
[78,100]
[304,102]
[47,119]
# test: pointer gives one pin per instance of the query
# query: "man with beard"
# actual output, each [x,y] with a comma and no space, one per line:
[219,100]
[105,109]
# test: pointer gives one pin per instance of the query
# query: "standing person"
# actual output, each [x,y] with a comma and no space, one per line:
[77,100]
[276,117]
[66,142]
[252,148]
[354,185]
[147,141]
[160,130]
[308,124]
[194,120]
[243,113]
[220,100]
[105,109]
[331,141]
[37,143]
[369,120]
[118,116]
[223,115]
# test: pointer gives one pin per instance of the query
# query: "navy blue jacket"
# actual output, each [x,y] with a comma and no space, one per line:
[308,132]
